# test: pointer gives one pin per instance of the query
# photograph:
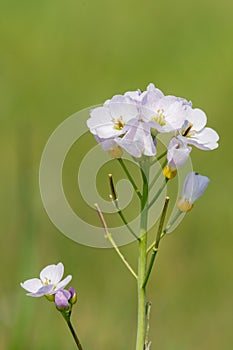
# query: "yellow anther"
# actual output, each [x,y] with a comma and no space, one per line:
[159,118]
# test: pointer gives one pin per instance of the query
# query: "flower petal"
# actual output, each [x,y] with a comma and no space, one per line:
[62,298]
[194,186]
[206,139]
[197,117]
[52,274]
[135,96]
[32,285]
[166,115]
[177,154]
[63,283]
[42,291]
[138,140]
[99,120]
[124,110]
[106,144]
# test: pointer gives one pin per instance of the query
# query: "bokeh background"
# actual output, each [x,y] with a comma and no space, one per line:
[58,57]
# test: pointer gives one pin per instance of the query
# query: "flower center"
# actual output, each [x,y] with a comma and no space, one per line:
[118,124]
[47,281]
[159,118]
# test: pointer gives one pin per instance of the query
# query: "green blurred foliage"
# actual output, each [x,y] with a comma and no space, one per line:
[58,57]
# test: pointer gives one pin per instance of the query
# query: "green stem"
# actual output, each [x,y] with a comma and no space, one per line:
[136,189]
[126,224]
[158,193]
[157,175]
[159,157]
[172,222]
[156,244]
[114,198]
[141,323]
[109,237]
[77,341]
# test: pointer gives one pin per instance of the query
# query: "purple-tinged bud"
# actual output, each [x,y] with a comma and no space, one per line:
[73,296]
[62,297]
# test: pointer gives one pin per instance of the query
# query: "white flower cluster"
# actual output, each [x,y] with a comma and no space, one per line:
[132,121]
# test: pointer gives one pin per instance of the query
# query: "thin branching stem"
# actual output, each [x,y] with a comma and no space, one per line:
[157,175]
[119,212]
[159,157]
[114,198]
[169,225]
[157,240]
[158,193]
[136,189]
[172,222]
[111,240]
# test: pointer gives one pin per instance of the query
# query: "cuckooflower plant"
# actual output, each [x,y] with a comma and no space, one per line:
[134,126]
[132,122]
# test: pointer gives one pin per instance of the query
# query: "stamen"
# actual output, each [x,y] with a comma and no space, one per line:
[159,118]
[119,123]
[47,281]
[186,128]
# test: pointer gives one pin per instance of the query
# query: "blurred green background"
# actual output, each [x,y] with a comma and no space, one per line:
[58,57]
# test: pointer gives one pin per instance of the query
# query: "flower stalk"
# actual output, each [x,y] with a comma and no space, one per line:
[114,198]
[136,189]
[158,193]
[66,315]
[111,240]
[157,241]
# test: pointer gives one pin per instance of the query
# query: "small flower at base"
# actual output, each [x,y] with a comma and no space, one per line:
[73,296]
[169,172]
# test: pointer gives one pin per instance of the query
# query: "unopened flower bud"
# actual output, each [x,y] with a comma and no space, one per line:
[169,172]
[73,296]
[194,186]
[62,299]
